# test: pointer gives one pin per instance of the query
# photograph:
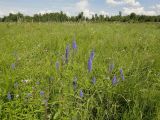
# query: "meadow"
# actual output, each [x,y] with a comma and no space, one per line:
[79,71]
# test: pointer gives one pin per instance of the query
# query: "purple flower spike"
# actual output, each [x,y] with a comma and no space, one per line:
[90,65]
[74,45]
[9,97]
[114,80]
[13,66]
[57,65]
[92,55]
[94,80]
[67,53]
[121,73]
[81,94]
[42,93]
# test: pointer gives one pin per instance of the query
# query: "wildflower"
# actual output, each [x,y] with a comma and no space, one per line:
[67,53]
[81,94]
[57,66]
[13,66]
[94,80]
[90,65]
[111,67]
[42,93]
[92,55]
[75,83]
[121,73]
[9,97]
[74,45]
[114,80]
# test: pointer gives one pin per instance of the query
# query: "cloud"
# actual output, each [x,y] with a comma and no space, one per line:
[82,5]
[138,11]
[123,2]
[88,13]
[7,11]
[156,8]
[45,11]
[103,13]
[114,2]
[130,6]
[68,13]
[4,11]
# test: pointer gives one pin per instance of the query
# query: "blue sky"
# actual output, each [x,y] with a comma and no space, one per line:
[73,7]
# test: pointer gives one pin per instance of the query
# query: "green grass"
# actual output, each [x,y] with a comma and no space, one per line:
[35,48]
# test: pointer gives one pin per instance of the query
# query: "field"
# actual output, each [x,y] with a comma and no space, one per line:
[111,72]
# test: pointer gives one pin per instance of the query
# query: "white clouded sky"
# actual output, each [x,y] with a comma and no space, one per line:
[73,7]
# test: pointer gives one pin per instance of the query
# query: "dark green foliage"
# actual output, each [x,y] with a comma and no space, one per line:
[62,17]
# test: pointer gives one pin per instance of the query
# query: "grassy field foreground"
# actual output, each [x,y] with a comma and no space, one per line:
[38,82]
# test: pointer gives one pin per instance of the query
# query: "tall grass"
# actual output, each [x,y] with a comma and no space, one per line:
[41,85]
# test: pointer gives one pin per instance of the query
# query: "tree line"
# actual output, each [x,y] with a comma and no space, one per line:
[62,17]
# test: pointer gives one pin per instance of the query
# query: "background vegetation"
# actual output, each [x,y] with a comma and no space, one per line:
[62,17]
[37,83]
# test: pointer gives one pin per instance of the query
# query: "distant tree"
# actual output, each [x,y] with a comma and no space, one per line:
[93,18]
[87,19]
[96,17]
[28,19]
[132,16]
[106,18]
[62,17]
[80,16]
[101,18]
[120,13]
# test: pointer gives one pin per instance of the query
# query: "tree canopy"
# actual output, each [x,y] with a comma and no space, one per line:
[62,17]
